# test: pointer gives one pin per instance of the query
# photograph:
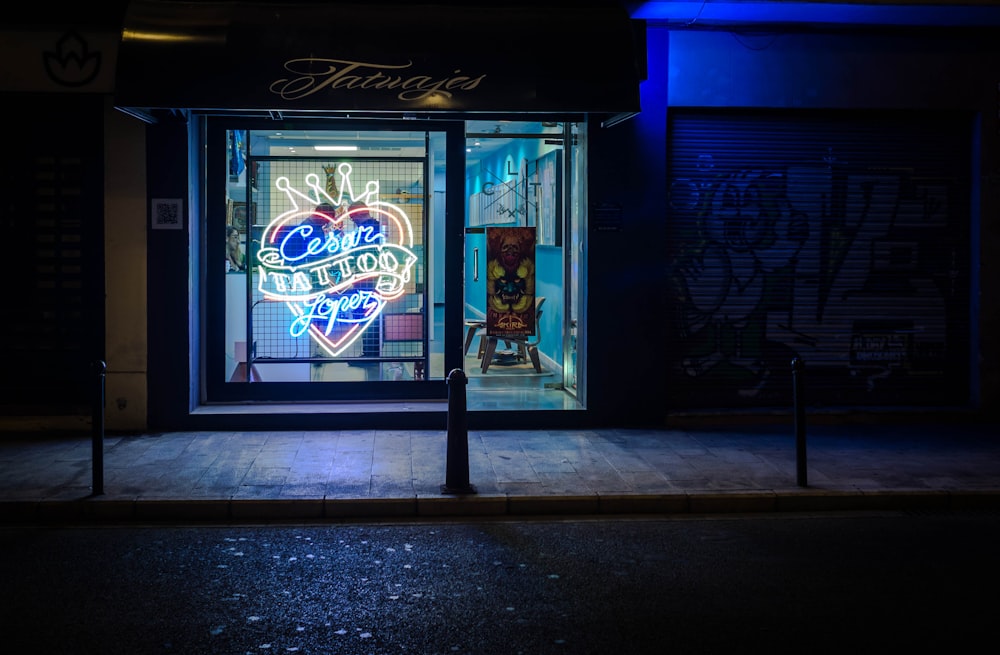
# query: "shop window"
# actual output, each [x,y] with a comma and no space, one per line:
[326,264]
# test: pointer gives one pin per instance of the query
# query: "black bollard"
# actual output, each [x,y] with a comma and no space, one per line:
[457,475]
[97,430]
[800,422]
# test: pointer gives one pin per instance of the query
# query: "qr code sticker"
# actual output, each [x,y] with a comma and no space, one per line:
[168,214]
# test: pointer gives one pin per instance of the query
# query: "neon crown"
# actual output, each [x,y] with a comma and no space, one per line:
[319,194]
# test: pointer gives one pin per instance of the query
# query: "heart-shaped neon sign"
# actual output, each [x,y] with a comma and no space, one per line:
[335,266]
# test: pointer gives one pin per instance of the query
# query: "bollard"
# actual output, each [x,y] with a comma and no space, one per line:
[457,474]
[800,421]
[97,431]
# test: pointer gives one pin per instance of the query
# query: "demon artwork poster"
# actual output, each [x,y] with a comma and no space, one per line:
[510,281]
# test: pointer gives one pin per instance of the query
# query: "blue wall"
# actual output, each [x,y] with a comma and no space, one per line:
[724,69]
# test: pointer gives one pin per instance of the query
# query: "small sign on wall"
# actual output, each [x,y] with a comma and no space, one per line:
[168,214]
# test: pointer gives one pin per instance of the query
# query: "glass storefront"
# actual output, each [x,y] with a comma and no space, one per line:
[342,265]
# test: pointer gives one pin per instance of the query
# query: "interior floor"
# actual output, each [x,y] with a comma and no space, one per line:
[510,383]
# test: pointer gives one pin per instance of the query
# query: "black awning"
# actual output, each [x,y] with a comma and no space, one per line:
[378,56]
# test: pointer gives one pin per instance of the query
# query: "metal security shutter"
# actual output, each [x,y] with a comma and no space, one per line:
[51,185]
[839,238]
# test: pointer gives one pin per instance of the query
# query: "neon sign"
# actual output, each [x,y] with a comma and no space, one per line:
[335,262]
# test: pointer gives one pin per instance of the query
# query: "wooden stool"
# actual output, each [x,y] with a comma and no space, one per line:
[471,327]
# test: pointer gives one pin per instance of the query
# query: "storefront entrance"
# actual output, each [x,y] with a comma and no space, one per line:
[348,275]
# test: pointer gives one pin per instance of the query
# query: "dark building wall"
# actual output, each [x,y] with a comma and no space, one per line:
[733,72]
[626,237]
[628,223]
[169,308]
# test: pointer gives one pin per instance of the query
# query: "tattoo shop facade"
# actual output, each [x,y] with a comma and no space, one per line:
[404,211]
[395,204]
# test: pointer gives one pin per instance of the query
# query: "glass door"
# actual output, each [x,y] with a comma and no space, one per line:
[521,264]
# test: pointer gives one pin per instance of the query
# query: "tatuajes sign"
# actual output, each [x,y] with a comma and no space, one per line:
[353,56]
[312,75]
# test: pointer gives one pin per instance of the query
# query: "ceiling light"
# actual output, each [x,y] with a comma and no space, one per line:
[337,148]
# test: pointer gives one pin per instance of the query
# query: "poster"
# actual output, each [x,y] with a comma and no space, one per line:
[510,281]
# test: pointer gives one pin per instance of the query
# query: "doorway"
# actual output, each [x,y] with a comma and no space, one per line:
[522,262]
[338,286]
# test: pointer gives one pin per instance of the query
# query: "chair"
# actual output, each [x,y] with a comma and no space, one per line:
[526,349]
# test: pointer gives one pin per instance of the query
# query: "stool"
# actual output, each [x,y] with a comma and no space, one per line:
[471,327]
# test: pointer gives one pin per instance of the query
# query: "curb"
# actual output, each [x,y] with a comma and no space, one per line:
[100,510]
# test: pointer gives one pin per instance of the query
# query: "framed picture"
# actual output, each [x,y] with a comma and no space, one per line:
[240,217]
[547,182]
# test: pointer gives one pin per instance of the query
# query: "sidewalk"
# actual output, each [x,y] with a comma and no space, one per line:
[332,475]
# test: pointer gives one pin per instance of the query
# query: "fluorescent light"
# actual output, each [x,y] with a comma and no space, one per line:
[337,148]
